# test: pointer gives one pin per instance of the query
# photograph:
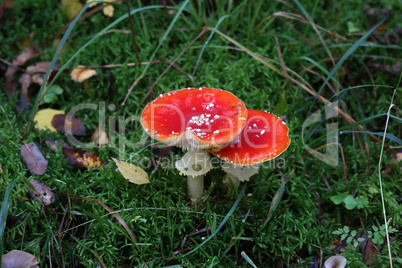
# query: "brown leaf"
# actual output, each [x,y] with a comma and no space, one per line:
[33,158]
[60,122]
[100,137]
[81,159]
[19,259]
[25,80]
[81,73]
[339,246]
[369,250]
[40,67]
[10,85]
[42,193]
[26,55]
[55,145]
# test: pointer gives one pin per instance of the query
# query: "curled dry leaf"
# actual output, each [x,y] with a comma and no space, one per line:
[62,123]
[100,137]
[33,158]
[131,172]
[19,259]
[42,193]
[81,73]
[81,159]
[43,119]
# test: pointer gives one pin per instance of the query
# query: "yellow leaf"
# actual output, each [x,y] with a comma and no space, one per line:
[81,73]
[108,10]
[132,173]
[43,119]
[71,8]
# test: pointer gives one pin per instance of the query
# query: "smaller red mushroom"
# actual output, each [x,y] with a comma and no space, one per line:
[195,119]
[264,137]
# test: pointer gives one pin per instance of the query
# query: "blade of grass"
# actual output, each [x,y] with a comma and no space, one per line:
[345,56]
[355,124]
[381,134]
[3,215]
[311,22]
[206,43]
[247,258]
[236,203]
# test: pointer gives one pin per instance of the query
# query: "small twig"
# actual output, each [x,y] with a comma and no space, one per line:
[132,32]
[131,89]
[99,259]
[111,65]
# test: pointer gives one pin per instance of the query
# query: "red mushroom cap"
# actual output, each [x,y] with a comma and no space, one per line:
[195,118]
[264,137]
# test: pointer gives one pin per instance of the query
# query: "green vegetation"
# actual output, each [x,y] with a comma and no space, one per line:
[259,50]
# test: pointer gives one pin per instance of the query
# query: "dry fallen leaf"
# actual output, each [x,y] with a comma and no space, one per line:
[18,259]
[81,159]
[74,125]
[99,136]
[43,119]
[42,193]
[369,250]
[33,158]
[71,8]
[26,55]
[132,173]
[40,67]
[108,10]
[55,145]
[25,80]
[81,73]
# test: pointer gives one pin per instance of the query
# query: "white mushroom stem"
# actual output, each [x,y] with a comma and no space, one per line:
[194,164]
[195,186]
[237,173]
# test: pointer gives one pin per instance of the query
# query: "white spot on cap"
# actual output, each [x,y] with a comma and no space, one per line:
[262,132]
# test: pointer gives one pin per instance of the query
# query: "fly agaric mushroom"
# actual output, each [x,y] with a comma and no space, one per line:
[196,120]
[264,137]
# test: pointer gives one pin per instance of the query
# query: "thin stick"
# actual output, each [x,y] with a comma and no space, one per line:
[131,88]
[99,259]
[132,33]
[379,173]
